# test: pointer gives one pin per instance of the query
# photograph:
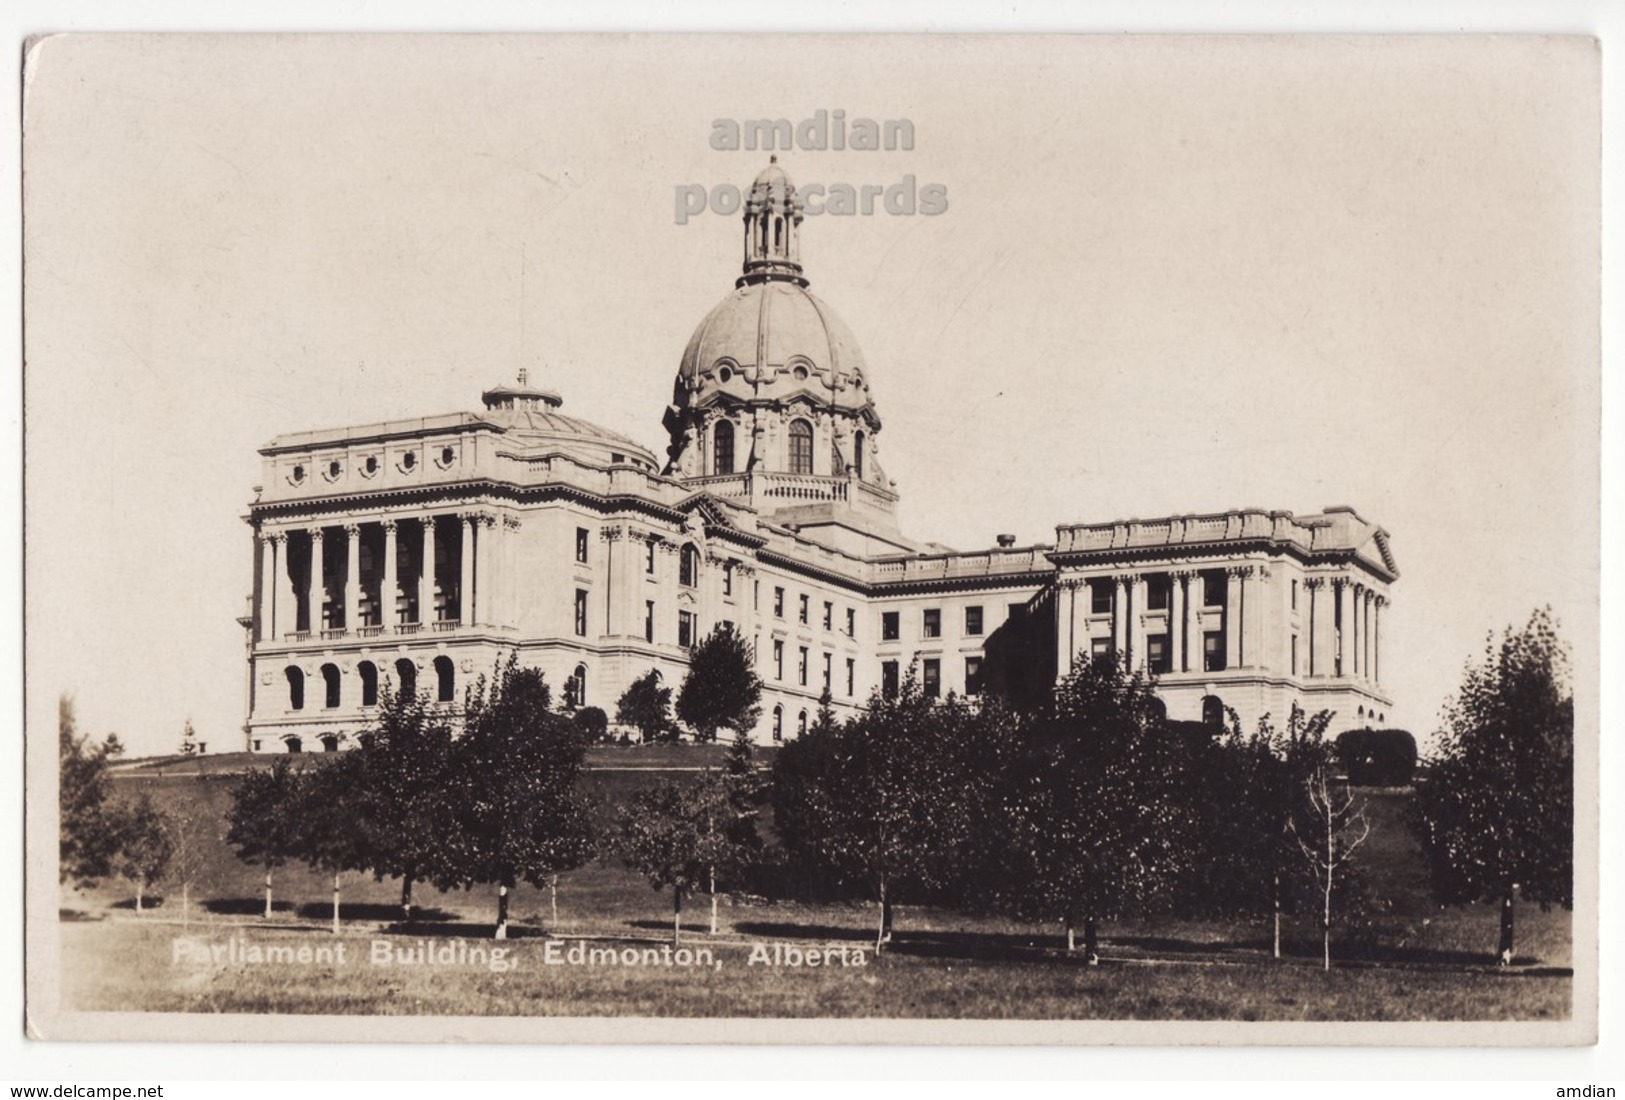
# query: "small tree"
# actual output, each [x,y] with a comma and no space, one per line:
[646,706]
[404,789]
[333,836]
[145,845]
[1328,835]
[676,835]
[194,831]
[594,723]
[1495,810]
[188,739]
[721,690]
[89,840]
[516,813]
[264,818]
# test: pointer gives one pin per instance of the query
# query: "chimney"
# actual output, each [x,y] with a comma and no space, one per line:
[1006,541]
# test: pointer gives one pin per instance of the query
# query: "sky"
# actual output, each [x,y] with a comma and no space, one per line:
[1173,276]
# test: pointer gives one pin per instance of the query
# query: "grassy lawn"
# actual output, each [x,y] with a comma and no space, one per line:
[1410,961]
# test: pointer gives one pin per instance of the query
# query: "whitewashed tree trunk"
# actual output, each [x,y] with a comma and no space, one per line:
[502,912]
[335,903]
[267,893]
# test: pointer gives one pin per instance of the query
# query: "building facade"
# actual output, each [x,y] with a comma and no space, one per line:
[420,552]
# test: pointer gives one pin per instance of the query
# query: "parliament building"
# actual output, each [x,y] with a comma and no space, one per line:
[421,551]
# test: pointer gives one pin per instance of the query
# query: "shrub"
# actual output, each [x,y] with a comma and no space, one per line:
[1377,758]
[593,723]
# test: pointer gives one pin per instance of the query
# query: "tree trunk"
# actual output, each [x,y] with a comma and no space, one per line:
[335,903]
[186,903]
[713,901]
[1275,901]
[1505,953]
[1326,924]
[553,898]
[1091,941]
[267,893]
[883,936]
[502,911]
[1071,937]
[406,896]
[676,916]
[138,896]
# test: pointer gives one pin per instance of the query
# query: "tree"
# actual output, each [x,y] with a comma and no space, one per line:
[88,839]
[677,834]
[646,706]
[721,690]
[145,844]
[333,836]
[594,723]
[404,789]
[1495,808]
[1098,825]
[194,831]
[891,803]
[188,739]
[264,819]
[1328,836]
[516,814]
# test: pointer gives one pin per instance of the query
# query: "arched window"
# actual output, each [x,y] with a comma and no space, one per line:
[369,683]
[445,677]
[1212,710]
[722,454]
[801,449]
[296,688]
[294,744]
[330,742]
[778,723]
[330,678]
[1362,711]
[406,671]
[1159,709]
[688,566]
[575,688]
[857,453]
[801,725]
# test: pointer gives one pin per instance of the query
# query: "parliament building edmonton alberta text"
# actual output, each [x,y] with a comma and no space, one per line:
[421,551]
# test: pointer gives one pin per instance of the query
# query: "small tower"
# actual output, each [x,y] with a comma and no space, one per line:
[772,229]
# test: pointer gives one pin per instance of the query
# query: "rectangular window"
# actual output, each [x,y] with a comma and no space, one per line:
[1100,597]
[851,622]
[888,679]
[1157,654]
[1213,651]
[728,578]
[778,601]
[801,667]
[1294,651]
[648,620]
[931,623]
[973,676]
[829,672]
[1294,595]
[685,629]
[1213,588]
[1156,593]
[851,677]
[802,611]
[931,677]
[1100,647]
[581,544]
[889,621]
[973,621]
[778,659]
[829,615]
[649,557]
[581,612]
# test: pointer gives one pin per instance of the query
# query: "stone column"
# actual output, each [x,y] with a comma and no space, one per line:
[287,600]
[465,590]
[1136,624]
[1376,639]
[1176,621]
[1193,622]
[1232,617]
[487,546]
[387,617]
[1120,617]
[1345,611]
[269,544]
[1357,633]
[1314,615]
[426,574]
[315,590]
[1365,634]
[352,576]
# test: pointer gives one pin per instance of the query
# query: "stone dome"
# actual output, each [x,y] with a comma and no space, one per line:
[531,415]
[773,340]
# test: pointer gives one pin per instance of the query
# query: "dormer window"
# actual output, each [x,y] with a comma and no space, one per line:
[801,447]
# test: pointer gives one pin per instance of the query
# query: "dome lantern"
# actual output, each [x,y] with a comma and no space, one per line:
[772,229]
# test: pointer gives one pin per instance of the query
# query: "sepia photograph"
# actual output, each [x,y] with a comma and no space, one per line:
[1020,539]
